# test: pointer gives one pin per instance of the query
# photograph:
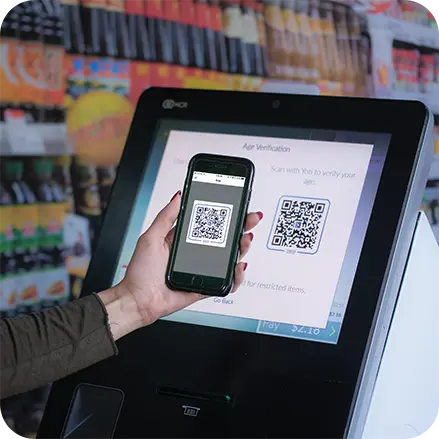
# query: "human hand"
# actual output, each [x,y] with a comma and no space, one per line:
[143,294]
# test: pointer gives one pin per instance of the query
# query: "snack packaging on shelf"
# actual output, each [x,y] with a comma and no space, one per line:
[8,285]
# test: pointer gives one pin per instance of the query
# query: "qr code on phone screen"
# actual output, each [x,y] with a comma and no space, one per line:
[298,225]
[209,223]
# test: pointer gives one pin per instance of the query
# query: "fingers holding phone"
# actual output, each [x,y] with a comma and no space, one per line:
[144,280]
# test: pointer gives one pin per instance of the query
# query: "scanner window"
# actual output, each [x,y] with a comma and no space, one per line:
[93,413]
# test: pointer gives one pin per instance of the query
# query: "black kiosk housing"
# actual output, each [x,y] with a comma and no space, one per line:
[175,379]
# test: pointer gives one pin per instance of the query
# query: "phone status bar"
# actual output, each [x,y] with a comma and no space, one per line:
[222,179]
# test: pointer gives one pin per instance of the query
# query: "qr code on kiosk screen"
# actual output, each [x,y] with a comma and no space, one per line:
[209,223]
[298,225]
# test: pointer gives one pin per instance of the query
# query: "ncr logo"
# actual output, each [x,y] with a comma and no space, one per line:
[170,104]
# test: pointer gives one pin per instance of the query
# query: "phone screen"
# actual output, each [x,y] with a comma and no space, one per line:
[209,224]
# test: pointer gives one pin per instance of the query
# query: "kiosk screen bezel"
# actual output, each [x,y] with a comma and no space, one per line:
[342,361]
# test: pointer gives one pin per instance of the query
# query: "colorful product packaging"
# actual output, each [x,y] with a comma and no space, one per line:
[55,287]
[76,80]
[121,77]
[54,61]
[9,76]
[139,79]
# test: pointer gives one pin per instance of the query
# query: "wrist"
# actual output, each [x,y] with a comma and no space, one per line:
[122,310]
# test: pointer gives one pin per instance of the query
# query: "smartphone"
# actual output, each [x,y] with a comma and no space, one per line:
[215,198]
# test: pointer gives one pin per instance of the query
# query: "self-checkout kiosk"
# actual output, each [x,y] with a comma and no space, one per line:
[333,334]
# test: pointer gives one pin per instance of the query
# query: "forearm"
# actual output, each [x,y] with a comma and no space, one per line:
[40,348]
[123,315]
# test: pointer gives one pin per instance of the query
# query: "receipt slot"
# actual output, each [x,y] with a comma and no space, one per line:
[296,352]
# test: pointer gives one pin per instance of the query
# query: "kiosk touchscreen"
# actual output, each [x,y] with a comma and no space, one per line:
[295,352]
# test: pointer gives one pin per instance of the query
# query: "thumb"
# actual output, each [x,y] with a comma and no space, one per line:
[165,220]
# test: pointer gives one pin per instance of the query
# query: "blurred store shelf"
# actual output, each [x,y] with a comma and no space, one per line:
[431,194]
[434,172]
[404,31]
[78,266]
[42,139]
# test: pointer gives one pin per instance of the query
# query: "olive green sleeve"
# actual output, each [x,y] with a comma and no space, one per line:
[40,348]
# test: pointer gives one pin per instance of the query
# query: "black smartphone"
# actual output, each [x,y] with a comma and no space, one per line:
[213,210]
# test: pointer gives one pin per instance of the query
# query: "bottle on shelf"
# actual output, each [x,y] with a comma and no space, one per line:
[262,64]
[95,27]
[292,42]
[118,29]
[161,47]
[62,176]
[178,31]
[25,223]
[10,92]
[233,31]
[76,282]
[8,286]
[119,68]
[73,31]
[217,37]
[414,71]
[171,22]
[210,29]
[412,74]
[309,71]
[30,62]
[86,194]
[251,36]
[199,34]
[330,42]
[355,42]
[366,56]
[51,215]
[188,34]
[74,45]
[344,49]
[427,75]
[276,44]
[402,69]
[318,42]
[99,45]
[138,37]
[53,37]
[106,177]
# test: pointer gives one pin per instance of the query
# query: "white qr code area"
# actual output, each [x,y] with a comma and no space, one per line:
[298,225]
[209,223]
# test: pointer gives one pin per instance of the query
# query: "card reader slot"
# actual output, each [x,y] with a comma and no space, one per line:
[174,392]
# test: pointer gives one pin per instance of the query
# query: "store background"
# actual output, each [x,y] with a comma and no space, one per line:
[72,71]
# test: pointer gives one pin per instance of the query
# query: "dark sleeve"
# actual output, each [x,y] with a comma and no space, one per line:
[40,348]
